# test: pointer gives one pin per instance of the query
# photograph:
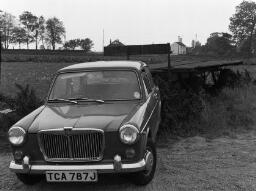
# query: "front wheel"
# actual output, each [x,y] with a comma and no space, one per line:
[144,177]
[29,179]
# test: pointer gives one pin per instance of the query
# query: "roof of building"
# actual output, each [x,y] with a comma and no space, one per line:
[181,44]
[105,64]
[116,43]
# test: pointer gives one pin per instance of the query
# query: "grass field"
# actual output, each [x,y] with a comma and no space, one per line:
[37,70]
[38,75]
[221,157]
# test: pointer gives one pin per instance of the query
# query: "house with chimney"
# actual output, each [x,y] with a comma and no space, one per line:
[115,43]
[178,48]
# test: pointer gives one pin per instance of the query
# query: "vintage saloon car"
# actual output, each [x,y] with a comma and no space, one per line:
[99,117]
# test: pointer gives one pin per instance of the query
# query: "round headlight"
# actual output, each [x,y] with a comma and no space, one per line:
[16,135]
[128,134]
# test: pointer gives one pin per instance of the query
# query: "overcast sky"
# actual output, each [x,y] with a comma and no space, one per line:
[132,21]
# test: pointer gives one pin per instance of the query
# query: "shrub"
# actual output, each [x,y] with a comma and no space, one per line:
[181,108]
[26,100]
[189,110]
[7,102]
[23,103]
[7,120]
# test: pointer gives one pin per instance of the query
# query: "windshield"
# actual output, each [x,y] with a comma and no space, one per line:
[100,85]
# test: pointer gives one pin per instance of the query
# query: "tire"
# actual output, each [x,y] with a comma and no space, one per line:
[29,179]
[144,177]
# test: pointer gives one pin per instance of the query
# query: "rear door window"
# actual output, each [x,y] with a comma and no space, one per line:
[147,84]
[149,77]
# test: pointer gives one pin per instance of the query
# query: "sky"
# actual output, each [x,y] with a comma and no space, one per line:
[132,21]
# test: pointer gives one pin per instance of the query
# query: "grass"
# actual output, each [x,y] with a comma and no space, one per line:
[38,70]
[226,113]
[232,111]
[37,75]
[80,56]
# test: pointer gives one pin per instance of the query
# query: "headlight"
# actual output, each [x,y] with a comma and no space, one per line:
[16,135]
[128,134]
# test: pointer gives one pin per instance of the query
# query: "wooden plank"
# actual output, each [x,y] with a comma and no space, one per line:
[198,66]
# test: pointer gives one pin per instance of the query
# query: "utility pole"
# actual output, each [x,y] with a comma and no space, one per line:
[103,41]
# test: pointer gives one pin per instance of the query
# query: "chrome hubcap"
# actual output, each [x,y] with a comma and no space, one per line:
[149,162]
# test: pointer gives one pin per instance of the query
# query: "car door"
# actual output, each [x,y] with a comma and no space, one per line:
[152,96]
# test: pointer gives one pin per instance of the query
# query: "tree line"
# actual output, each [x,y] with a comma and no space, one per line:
[48,33]
[29,28]
[243,38]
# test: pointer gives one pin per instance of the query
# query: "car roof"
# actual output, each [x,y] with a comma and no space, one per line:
[105,64]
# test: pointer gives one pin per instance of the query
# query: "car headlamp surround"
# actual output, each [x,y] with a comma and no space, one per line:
[16,135]
[128,134]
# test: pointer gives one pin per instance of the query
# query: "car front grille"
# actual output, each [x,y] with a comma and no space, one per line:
[75,145]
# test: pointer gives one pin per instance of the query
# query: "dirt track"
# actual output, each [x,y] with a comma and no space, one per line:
[189,164]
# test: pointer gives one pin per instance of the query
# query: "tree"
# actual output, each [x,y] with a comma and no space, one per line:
[243,22]
[6,25]
[219,43]
[30,23]
[41,29]
[72,44]
[54,31]
[86,44]
[18,35]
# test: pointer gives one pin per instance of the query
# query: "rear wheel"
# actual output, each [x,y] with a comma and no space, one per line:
[29,179]
[144,177]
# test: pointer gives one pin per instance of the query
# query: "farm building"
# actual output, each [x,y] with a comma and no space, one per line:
[178,47]
[115,43]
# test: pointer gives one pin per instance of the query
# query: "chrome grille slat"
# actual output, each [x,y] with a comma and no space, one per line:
[86,150]
[77,145]
[90,141]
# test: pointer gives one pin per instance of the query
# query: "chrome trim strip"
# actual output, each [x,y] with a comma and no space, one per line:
[73,129]
[149,118]
[17,127]
[70,159]
[101,168]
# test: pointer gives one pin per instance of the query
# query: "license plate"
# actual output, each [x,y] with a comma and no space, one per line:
[71,176]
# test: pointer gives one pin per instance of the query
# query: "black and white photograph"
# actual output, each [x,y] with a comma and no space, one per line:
[129,95]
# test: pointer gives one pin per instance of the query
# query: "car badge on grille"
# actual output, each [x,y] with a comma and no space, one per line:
[67,128]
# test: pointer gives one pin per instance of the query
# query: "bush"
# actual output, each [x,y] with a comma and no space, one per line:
[189,110]
[23,103]
[181,108]
[7,120]
[26,100]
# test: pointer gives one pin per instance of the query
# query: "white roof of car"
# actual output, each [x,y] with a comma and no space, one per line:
[106,64]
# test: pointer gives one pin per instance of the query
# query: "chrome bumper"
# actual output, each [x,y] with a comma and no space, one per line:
[115,167]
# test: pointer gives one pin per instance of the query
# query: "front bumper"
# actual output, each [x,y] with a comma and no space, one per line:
[116,167]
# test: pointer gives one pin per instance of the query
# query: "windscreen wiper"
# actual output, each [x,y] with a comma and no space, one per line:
[87,99]
[65,100]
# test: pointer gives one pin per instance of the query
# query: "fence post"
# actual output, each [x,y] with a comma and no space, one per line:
[127,53]
[0,57]
[169,61]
